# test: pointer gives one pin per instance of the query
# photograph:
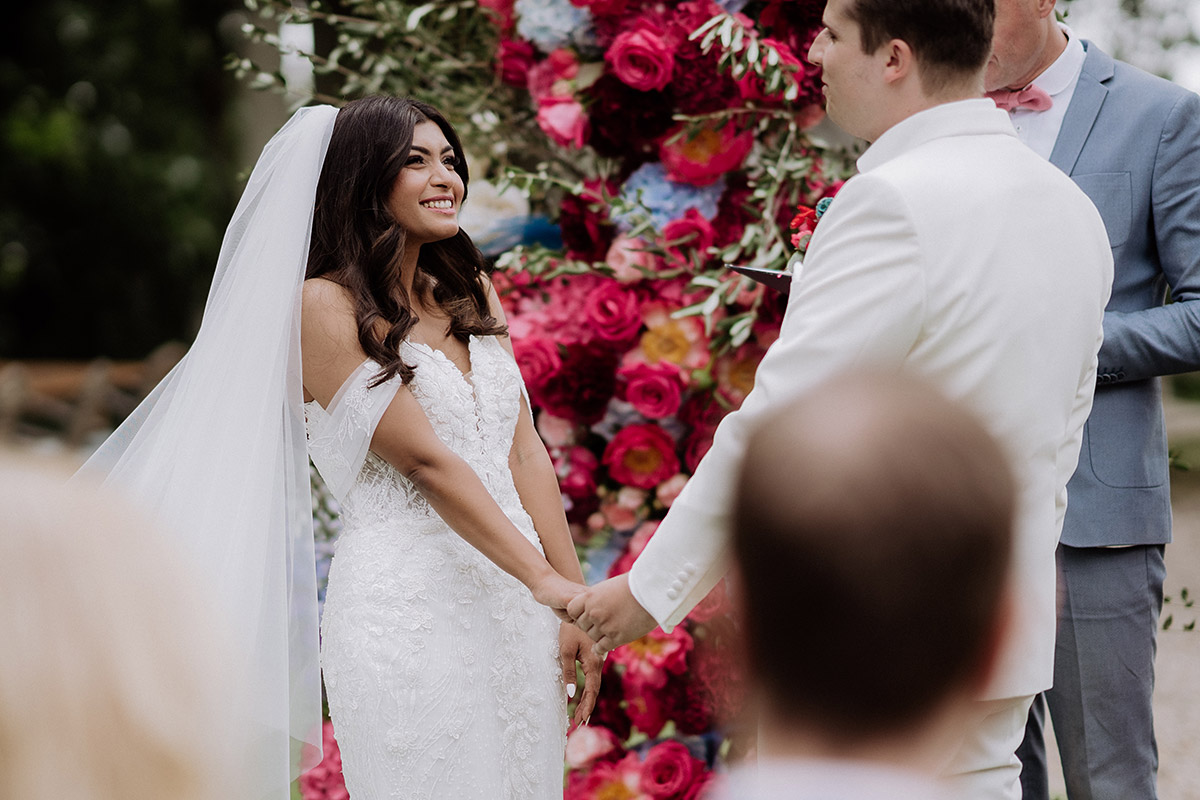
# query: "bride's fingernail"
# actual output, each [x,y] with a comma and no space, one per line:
[570,690]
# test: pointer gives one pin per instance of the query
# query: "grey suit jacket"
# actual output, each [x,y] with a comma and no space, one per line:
[1131,141]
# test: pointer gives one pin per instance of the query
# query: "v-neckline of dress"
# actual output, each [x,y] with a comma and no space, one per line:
[466,377]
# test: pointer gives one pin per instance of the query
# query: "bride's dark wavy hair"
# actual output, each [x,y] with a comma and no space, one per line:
[358,244]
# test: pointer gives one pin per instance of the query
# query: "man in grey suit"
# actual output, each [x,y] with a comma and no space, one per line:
[1131,141]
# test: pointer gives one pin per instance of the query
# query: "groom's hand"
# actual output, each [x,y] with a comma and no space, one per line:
[608,614]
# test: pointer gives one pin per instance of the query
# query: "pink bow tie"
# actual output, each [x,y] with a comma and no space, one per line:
[1030,97]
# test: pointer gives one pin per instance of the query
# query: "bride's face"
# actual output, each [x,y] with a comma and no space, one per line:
[427,193]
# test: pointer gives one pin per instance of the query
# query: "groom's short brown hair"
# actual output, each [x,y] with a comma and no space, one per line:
[872,532]
[950,38]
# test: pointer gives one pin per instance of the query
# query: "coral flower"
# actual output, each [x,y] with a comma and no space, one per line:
[701,157]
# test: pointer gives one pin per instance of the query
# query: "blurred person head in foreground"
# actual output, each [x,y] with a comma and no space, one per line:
[113,681]
[872,535]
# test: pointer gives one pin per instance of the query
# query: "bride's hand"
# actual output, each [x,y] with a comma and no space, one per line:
[574,645]
[555,591]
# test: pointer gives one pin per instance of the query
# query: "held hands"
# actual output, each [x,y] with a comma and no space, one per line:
[608,613]
[574,646]
[555,591]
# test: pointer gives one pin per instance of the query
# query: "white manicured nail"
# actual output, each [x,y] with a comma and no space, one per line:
[570,690]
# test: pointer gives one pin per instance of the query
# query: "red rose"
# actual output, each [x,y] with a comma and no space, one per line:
[699,442]
[642,456]
[602,7]
[563,120]
[614,312]
[646,709]
[690,233]
[669,769]
[538,359]
[513,60]
[581,389]
[626,123]
[655,390]
[643,58]
[586,230]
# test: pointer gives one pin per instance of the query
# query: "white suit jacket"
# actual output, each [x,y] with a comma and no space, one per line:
[959,255]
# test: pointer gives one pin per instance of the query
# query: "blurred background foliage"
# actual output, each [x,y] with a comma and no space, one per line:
[115,163]
[124,139]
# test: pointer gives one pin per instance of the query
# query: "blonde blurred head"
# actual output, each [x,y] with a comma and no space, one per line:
[113,680]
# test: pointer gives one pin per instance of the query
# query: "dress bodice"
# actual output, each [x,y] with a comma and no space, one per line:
[474,414]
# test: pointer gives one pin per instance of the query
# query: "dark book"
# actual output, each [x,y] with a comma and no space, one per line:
[775,279]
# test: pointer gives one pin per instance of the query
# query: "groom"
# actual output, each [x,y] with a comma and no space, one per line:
[956,254]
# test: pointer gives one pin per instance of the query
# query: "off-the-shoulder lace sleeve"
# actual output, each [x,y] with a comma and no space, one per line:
[339,436]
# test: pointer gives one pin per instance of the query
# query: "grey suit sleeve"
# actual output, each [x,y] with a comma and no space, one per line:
[1164,340]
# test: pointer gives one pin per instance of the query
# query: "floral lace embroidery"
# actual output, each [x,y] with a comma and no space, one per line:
[442,672]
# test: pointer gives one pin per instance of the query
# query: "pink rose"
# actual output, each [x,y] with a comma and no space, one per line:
[700,158]
[641,455]
[643,58]
[513,61]
[655,390]
[690,233]
[538,359]
[669,769]
[325,781]
[670,489]
[637,543]
[563,120]
[501,11]
[713,605]
[555,431]
[630,259]
[577,472]
[552,76]
[588,744]
[614,312]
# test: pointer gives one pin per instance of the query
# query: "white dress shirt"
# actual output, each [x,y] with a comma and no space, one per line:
[779,779]
[1039,129]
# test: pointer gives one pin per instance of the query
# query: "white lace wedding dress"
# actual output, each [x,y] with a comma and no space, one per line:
[442,672]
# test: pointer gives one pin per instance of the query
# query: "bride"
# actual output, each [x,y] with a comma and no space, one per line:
[349,312]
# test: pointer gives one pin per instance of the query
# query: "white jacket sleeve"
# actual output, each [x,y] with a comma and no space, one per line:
[859,301]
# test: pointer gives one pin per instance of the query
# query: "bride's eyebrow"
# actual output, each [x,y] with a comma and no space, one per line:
[425,152]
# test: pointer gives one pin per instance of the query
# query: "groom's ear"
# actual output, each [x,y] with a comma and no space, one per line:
[899,61]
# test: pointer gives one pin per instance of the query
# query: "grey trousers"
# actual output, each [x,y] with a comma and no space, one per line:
[1109,601]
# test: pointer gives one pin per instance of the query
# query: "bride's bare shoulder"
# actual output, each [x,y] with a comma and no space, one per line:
[327,310]
[322,293]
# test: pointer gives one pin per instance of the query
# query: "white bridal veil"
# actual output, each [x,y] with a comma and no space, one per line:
[218,452]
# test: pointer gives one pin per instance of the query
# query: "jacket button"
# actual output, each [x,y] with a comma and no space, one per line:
[672,594]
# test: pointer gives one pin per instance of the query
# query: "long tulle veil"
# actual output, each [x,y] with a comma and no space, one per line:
[218,452]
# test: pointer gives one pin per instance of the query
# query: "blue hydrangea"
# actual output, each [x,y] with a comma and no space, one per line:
[551,24]
[666,199]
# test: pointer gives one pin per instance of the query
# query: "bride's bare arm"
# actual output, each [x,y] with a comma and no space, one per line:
[406,440]
[537,485]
